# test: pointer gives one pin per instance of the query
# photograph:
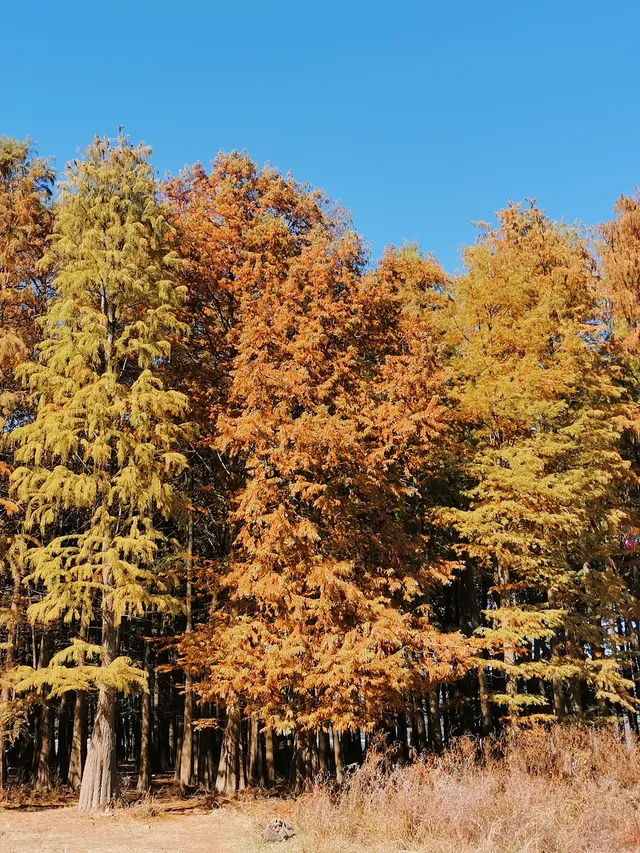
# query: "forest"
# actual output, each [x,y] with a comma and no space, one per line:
[267,501]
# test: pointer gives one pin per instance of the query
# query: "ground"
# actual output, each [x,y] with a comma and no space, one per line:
[65,830]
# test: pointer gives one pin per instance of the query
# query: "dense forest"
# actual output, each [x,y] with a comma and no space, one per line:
[264,500]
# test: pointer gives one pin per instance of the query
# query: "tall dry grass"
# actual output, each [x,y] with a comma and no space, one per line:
[568,790]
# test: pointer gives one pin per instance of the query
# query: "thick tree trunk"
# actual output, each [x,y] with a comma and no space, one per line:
[269,769]
[100,778]
[323,753]
[337,755]
[78,741]
[575,689]
[301,762]
[206,768]
[79,733]
[255,769]
[230,765]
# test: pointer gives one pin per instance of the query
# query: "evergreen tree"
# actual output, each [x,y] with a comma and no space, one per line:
[320,617]
[97,463]
[543,416]
[25,222]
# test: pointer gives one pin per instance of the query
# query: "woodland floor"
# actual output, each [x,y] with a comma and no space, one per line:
[64,830]
[160,823]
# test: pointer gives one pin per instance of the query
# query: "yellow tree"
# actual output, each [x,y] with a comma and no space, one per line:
[96,464]
[542,413]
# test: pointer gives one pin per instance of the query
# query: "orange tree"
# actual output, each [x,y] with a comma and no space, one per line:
[324,410]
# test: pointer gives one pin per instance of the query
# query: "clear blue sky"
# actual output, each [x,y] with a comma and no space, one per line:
[421,117]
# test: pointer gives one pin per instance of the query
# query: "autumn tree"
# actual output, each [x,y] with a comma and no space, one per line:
[618,244]
[234,223]
[543,417]
[97,463]
[320,618]
[25,221]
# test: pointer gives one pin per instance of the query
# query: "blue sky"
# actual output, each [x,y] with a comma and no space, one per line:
[420,117]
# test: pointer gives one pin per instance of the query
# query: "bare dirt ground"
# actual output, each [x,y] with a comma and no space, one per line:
[65,830]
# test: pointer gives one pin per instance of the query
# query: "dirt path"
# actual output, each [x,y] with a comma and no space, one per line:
[64,830]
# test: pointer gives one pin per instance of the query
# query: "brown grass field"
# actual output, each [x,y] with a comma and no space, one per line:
[566,792]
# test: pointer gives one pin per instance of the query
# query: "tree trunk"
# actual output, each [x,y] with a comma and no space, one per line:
[559,705]
[323,753]
[301,762]
[79,733]
[9,660]
[337,754]
[100,778]
[255,768]
[186,755]
[228,779]
[43,768]
[435,728]
[269,770]
[43,778]
[401,728]
[486,712]
[144,770]
[419,728]
[78,741]
[63,738]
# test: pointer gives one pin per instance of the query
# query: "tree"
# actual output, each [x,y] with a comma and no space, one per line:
[542,412]
[25,222]
[234,224]
[618,244]
[319,616]
[98,461]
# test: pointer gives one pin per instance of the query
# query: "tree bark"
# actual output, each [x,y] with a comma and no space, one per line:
[435,728]
[144,770]
[9,660]
[78,741]
[229,767]
[63,738]
[301,762]
[43,778]
[43,770]
[337,754]
[486,712]
[269,770]
[323,753]
[419,728]
[100,778]
[186,754]
[255,769]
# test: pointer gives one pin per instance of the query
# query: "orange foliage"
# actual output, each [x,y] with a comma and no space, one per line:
[325,411]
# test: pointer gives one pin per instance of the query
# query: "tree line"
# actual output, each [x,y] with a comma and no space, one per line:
[263,500]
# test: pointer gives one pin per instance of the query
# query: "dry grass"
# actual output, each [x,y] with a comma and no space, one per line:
[539,792]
